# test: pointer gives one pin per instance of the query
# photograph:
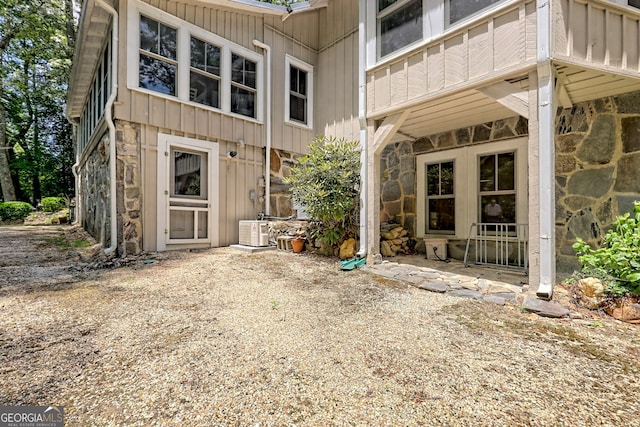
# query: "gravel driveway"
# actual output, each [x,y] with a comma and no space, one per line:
[222,337]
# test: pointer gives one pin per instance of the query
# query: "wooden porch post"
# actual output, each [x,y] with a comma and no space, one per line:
[378,138]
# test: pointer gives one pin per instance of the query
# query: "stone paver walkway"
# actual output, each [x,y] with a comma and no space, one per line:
[451,283]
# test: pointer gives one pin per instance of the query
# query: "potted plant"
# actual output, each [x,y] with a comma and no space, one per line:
[297,243]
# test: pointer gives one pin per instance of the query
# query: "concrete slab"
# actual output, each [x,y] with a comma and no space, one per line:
[253,249]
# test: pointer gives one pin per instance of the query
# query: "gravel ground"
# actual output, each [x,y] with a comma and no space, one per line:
[227,338]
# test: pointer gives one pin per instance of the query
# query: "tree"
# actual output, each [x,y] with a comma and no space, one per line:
[326,184]
[36,43]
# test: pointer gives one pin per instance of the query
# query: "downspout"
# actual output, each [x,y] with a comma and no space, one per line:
[74,169]
[267,178]
[362,118]
[546,154]
[112,128]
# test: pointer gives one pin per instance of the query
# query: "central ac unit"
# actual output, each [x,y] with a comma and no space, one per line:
[254,233]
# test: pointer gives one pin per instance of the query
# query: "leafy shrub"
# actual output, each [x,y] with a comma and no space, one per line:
[15,211]
[52,204]
[617,262]
[326,184]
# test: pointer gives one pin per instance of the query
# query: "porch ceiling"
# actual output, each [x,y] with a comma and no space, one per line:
[467,108]
[576,83]
[584,84]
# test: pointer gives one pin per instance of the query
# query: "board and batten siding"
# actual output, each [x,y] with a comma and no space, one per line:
[597,34]
[337,76]
[236,178]
[297,36]
[495,45]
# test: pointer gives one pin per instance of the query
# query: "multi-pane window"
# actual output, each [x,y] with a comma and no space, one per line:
[99,92]
[181,60]
[497,182]
[243,86]
[204,77]
[440,198]
[399,23]
[297,94]
[158,56]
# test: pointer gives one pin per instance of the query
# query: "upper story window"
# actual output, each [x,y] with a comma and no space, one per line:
[399,23]
[299,92]
[204,77]
[94,107]
[243,85]
[158,53]
[457,10]
[174,58]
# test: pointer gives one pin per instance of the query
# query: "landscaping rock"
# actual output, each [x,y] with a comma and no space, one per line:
[544,308]
[626,311]
[591,293]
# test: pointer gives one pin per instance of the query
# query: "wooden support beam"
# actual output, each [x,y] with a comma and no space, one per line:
[509,95]
[389,127]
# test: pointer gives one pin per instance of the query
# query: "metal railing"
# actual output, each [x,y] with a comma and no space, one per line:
[499,245]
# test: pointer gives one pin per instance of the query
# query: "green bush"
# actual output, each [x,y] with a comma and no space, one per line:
[53,204]
[326,184]
[15,211]
[618,260]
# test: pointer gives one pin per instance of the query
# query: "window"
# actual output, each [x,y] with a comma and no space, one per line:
[204,78]
[441,202]
[176,59]
[456,185]
[399,24]
[299,91]
[158,53]
[457,10]
[243,85]
[497,196]
[99,92]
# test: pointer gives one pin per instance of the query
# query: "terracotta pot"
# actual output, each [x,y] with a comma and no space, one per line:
[298,245]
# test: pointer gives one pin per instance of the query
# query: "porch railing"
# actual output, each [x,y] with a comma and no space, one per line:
[498,244]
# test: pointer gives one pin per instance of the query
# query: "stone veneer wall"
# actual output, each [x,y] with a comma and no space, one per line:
[128,188]
[398,165]
[93,180]
[95,186]
[597,170]
[281,164]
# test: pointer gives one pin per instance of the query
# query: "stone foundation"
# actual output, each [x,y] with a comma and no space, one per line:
[129,188]
[597,170]
[94,195]
[281,164]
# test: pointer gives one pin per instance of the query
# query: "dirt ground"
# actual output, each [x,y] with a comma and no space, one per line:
[222,337]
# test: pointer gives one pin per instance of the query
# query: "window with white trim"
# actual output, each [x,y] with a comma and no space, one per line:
[456,186]
[497,195]
[298,92]
[440,198]
[243,85]
[399,23]
[158,65]
[180,60]
[99,92]
[204,76]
